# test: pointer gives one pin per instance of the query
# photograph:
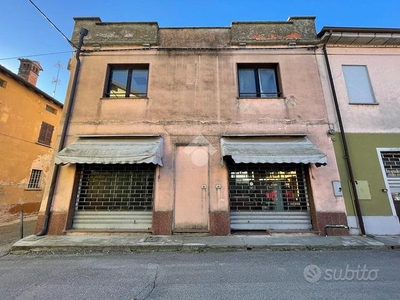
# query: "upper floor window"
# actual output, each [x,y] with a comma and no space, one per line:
[127,81]
[3,83]
[46,132]
[358,85]
[258,81]
[51,109]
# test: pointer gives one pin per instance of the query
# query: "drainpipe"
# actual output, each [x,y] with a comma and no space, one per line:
[54,178]
[344,141]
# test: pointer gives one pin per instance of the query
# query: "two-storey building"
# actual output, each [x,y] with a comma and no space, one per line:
[359,70]
[29,119]
[206,130]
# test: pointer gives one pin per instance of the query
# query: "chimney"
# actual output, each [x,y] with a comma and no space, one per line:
[29,70]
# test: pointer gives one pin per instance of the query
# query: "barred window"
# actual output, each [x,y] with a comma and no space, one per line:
[391,161]
[34,180]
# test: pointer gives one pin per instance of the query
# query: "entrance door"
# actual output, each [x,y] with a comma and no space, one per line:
[191,189]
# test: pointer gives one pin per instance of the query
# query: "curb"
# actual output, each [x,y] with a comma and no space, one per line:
[188,248]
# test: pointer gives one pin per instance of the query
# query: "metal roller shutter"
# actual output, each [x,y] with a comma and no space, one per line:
[115,197]
[268,197]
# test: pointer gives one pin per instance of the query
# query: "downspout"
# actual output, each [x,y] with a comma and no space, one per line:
[54,178]
[344,141]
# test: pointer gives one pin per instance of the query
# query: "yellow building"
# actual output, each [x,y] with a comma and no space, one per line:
[29,120]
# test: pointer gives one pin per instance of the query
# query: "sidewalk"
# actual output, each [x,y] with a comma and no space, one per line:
[10,232]
[184,243]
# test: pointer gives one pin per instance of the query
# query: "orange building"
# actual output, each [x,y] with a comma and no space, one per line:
[29,120]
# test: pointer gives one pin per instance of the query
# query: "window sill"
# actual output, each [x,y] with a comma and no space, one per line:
[260,98]
[364,104]
[128,98]
[44,145]
[33,189]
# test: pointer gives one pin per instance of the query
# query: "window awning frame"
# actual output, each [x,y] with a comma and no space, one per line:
[112,150]
[272,149]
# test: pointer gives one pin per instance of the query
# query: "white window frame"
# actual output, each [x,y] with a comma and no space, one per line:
[389,195]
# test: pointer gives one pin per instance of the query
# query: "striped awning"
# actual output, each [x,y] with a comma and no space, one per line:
[112,151]
[271,150]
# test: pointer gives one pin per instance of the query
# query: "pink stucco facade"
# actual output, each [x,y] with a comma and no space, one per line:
[192,102]
[368,105]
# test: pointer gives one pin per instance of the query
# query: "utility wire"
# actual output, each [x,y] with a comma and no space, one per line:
[7,58]
[43,14]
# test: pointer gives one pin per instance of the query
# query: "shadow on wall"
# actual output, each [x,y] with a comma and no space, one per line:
[27,208]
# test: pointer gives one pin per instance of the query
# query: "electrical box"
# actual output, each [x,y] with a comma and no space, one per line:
[363,191]
[337,188]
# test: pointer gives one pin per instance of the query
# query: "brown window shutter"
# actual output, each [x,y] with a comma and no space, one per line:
[46,132]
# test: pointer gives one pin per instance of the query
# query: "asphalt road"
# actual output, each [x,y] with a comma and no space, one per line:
[10,233]
[368,274]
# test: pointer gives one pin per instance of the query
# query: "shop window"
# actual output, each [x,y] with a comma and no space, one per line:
[267,187]
[116,187]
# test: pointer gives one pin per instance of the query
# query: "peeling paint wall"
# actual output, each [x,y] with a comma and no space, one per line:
[296,29]
[193,91]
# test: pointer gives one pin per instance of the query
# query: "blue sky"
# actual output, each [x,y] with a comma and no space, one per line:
[25,32]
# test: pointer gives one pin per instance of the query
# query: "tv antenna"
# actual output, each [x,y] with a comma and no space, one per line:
[55,80]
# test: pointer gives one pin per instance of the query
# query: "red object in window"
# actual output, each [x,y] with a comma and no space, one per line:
[289,195]
[271,195]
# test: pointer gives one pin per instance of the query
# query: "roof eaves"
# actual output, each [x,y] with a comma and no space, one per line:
[327,29]
[30,86]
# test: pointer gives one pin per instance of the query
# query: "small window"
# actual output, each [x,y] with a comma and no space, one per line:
[127,81]
[3,83]
[51,109]
[258,81]
[358,85]
[46,133]
[34,180]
